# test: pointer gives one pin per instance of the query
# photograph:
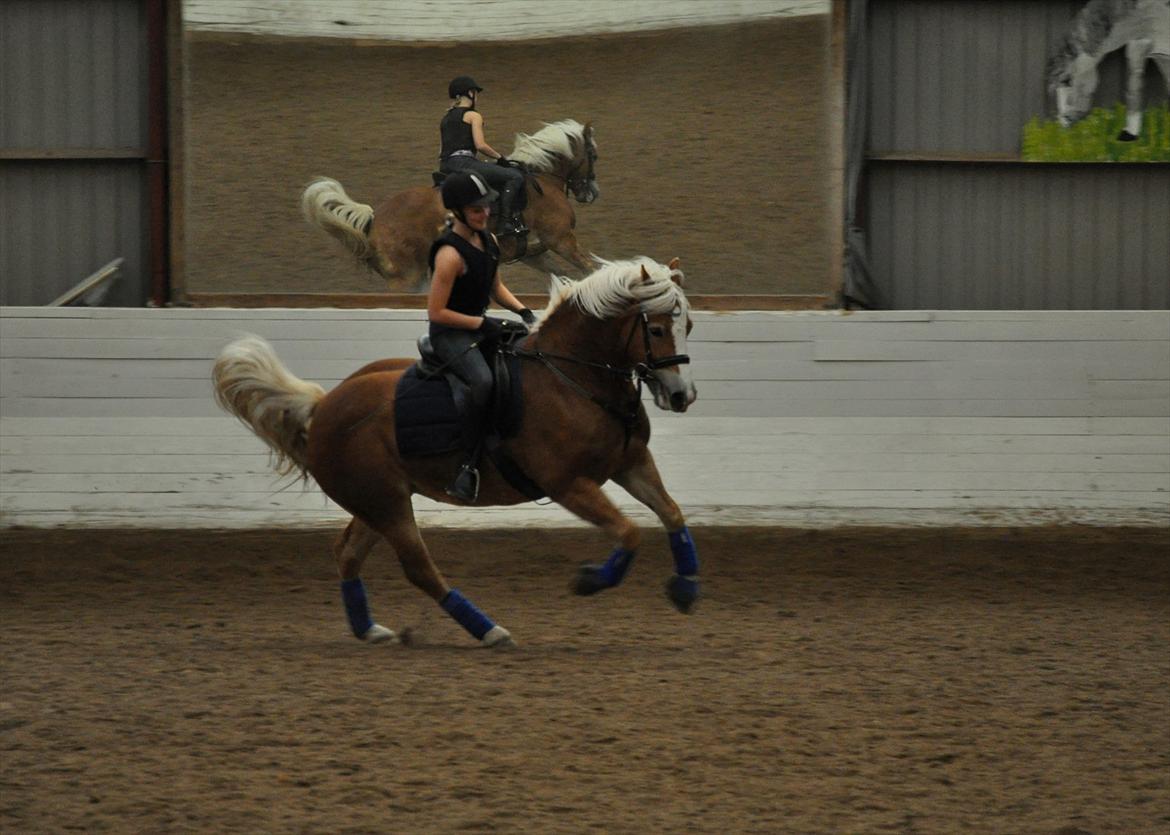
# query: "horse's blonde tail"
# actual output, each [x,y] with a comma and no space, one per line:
[324,203]
[252,384]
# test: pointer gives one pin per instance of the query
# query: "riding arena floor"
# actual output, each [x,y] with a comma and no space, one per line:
[832,681]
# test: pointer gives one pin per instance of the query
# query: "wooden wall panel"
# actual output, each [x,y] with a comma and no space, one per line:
[803,418]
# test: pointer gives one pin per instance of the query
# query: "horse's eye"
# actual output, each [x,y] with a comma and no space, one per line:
[656,330]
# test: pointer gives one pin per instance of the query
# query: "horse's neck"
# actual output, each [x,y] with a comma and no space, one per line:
[575,334]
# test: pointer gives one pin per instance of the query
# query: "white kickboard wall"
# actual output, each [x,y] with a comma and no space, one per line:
[476,20]
[807,419]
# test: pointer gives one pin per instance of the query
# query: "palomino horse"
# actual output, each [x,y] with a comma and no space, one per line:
[1100,27]
[583,424]
[395,239]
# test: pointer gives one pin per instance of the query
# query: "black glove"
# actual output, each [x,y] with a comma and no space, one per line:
[503,160]
[528,316]
[491,328]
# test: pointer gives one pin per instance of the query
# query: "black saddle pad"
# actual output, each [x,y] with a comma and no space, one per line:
[425,419]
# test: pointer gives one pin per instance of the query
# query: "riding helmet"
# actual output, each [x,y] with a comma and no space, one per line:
[462,85]
[464,188]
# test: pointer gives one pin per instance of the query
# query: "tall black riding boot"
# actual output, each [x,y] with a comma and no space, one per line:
[511,221]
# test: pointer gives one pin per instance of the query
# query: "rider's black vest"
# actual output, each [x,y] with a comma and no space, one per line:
[454,133]
[471,291]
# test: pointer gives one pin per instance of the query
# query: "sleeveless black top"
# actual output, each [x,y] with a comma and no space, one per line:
[454,133]
[471,292]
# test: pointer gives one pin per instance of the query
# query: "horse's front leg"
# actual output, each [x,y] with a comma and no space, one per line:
[585,499]
[1136,53]
[350,551]
[642,481]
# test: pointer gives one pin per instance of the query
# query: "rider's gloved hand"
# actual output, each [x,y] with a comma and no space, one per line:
[528,316]
[491,327]
[503,160]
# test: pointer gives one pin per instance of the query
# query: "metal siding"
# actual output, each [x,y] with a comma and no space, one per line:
[964,76]
[65,219]
[1020,237]
[73,79]
[74,74]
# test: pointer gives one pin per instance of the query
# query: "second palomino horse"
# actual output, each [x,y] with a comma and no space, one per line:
[394,239]
[582,424]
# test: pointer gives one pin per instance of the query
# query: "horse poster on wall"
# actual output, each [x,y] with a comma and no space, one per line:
[1086,128]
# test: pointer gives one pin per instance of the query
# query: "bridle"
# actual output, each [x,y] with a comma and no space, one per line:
[574,181]
[642,372]
[577,184]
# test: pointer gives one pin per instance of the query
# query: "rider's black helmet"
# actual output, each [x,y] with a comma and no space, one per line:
[461,86]
[465,188]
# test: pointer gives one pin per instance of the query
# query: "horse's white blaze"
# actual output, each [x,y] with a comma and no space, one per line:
[676,379]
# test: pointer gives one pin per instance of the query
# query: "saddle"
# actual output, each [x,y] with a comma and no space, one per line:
[521,201]
[430,412]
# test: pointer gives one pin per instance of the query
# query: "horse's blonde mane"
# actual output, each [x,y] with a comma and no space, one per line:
[540,150]
[616,286]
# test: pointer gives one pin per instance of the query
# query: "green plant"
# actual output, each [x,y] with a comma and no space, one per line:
[1094,138]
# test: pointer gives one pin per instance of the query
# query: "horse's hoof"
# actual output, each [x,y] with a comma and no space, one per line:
[1126,136]
[683,592]
[378,634]
[498,638]
[589,580]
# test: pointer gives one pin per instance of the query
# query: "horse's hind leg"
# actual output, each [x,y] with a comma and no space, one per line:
[642,481]
[401,531]
[350,551]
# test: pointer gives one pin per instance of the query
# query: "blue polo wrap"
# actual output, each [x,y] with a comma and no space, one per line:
[466,614]
[357,608]
[615,568]
[686,559]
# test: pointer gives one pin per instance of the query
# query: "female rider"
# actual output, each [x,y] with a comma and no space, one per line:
[461,136]
[464,277]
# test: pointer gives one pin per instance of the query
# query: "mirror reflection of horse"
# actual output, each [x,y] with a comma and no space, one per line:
[582,423]
[1100,27]
[394,239]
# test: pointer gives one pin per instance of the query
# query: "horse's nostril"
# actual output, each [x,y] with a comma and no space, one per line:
[678,400]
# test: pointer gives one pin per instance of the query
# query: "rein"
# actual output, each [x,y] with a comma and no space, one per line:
[642,372]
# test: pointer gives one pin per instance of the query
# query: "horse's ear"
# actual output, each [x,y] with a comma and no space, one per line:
[673,265]
[645,275]
[675,271]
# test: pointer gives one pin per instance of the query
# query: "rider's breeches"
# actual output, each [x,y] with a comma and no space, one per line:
[454,347]
[507,181]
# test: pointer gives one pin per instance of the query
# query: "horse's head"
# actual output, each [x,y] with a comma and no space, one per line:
[1072,80]
[565,149]
[658,343]
[582,179]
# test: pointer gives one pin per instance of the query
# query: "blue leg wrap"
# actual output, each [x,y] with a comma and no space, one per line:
[466,614]
[615,568]
[357,609]
[686,559]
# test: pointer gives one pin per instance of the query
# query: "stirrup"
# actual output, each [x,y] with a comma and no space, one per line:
[509,227]
[465,487]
